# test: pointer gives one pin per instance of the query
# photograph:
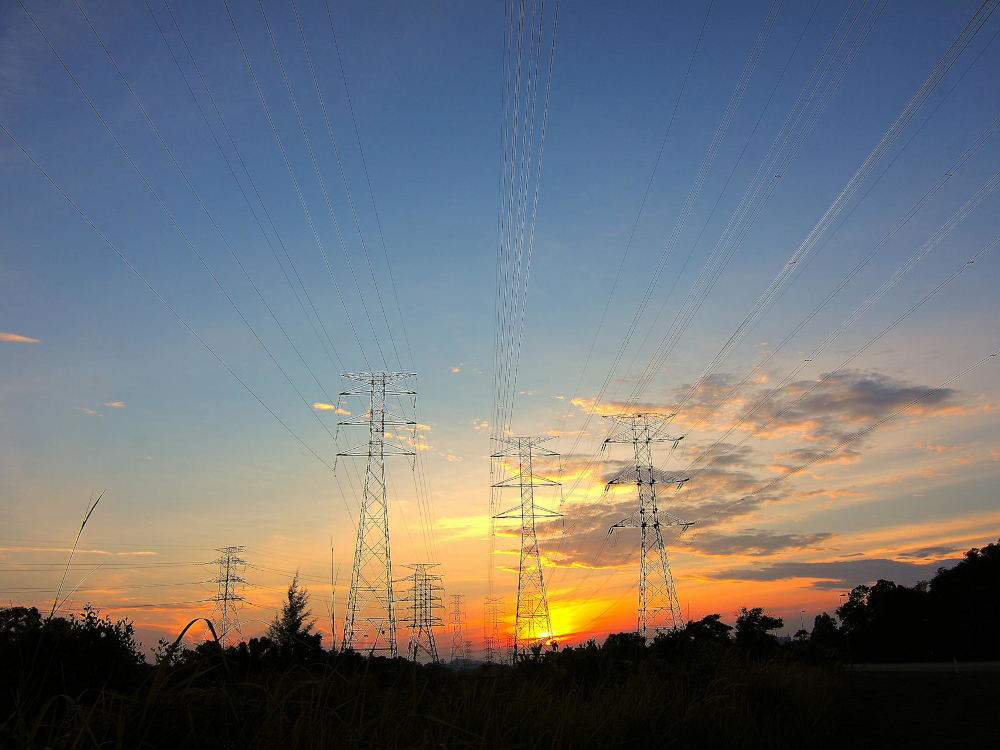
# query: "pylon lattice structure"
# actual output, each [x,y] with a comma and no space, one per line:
[424,602]
[658,606]
[532,624]
[492,642]
[371,615]
[460,648]
[225,615]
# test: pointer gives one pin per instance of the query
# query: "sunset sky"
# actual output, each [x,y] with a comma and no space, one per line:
[765,112]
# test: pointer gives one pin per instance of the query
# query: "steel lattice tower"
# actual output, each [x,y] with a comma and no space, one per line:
[532,623]
[459,646]
[225,616]
[658,605]
[492,610]
[423,603]
[370,607]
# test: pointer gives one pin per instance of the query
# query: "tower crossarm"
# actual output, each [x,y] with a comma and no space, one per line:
[536,481]
[387,449]
[388,419]
[515,445]
[646,475]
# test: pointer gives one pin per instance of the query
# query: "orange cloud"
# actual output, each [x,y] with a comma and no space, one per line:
[15,338]
[115,404]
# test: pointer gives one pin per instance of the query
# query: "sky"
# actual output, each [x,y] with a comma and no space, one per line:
[757,215]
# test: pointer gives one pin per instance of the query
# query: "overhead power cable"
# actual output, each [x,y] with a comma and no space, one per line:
[295,183]
[305,291]
[929,85]
[156,196]
[694,191]
[642,205]
[162,301]
[327,345]
[319,178]
[833,373]
[929,245]
[422,484]
[815,96]
[343,176]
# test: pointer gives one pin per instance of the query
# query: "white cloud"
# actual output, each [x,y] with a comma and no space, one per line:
[320,406]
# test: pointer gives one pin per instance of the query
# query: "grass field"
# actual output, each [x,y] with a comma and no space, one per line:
[917,709]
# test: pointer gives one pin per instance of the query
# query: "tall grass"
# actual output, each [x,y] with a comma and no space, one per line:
[353,702]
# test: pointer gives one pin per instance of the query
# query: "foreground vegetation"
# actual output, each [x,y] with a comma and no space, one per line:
[83,682]
[586,697]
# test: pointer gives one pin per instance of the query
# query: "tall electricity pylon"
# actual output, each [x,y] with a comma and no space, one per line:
[492,611]
[423,603]
[658,605]
[459,646]
[225,616]
[532,623]
[371,611]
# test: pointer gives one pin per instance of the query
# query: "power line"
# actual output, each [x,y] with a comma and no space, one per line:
[901,122]
[320,180]
[154,194]
[141,278]
[295,183]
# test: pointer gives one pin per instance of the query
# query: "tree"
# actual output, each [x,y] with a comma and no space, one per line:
[825,633]
[752,632]
[625,647]
[290,632]
[966,598]
[709,629]
[853,613]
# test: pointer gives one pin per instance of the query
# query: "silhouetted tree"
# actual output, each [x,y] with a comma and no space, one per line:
[66,657]
[825,633]
[291,630]
[966,601]
[753,631]
[625,647]
[888,622]
[709,629]
[853,613]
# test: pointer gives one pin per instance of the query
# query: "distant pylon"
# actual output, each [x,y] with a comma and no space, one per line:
[532,624]
[423,603]
[658,606]
[459,646]
[492,611]
[371,611]
[225,616]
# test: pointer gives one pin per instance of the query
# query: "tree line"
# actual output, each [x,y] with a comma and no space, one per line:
[74,681]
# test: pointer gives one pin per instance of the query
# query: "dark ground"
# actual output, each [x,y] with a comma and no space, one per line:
[929,708]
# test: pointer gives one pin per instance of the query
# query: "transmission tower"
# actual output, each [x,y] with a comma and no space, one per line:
[658,606]
[459,646]
[492,611]
[371,612]
[532,623]
[225,616]
[423,603]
